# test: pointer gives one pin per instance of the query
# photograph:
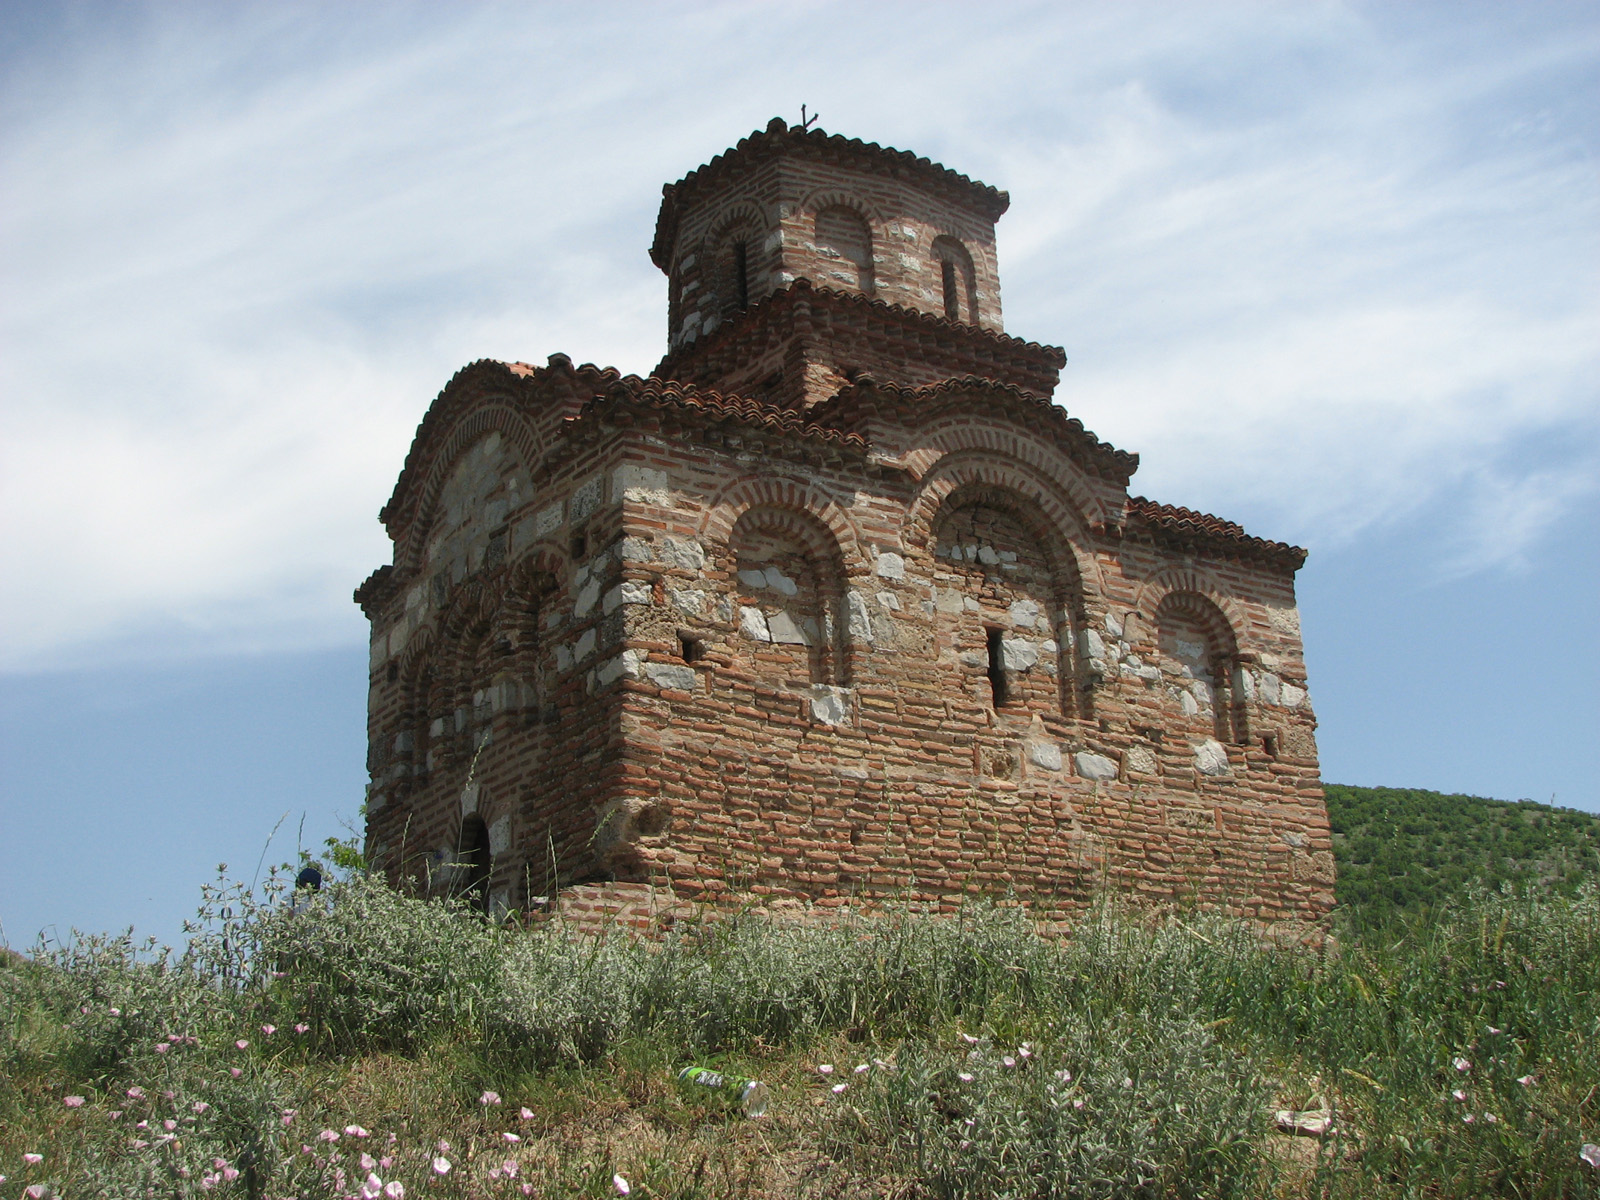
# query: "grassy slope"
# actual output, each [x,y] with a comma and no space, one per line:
[1405,850]
[1136,1059]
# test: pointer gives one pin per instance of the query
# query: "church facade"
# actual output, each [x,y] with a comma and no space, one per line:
[836,606]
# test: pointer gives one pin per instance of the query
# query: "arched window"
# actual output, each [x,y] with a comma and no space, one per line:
[474,863]
[1006,612]
[1199,658]
[845,238]
[787,581]
[957,280]
[737,276]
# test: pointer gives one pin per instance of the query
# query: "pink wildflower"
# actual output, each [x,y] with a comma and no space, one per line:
[136,1093]
[169,1125]
[969,1039]
[269,1030]
[302,1028]
[33,1160]
[235,1072]
[621,1184]
[115,1012]
[510,1137]
[372,1188]
[1460,1063]
[1590,1153]
[824,1068]
[1008,1061]
[230,1173]
[36,1191]
[862,1069]
[526,1114]
[73,1101]
[355,1131]
[163,1047]
[441,1165]
[964,1076]
[395,1190]
[200,1106]
[1458,1095]
[243,1043]
[509,1167]
[489,1098]
[839,1087]
[368,1163]
[329,1135]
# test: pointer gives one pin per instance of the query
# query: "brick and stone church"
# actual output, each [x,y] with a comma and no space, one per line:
[837,606]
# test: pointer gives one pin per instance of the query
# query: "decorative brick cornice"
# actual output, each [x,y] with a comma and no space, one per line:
[377,590]
[631,400]
[467,396]
[868,398]
[779,141]
[725,347]
[1185,527]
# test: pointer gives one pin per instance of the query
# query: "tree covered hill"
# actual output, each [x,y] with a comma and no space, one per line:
[1404,850]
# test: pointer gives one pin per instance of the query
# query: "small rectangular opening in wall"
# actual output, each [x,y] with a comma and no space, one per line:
[1269,743]
[579,547]
[997,666]
[952,292]
[741,276]
[691,649]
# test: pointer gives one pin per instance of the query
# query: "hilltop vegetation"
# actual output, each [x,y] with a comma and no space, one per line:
[375,1045]
[1406,852]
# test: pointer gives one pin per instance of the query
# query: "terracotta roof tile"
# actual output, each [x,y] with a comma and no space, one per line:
[926,401]
[717,408]
[804,289]
[777,139]
[1186,523]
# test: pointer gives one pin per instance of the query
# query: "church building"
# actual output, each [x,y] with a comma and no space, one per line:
[836,607]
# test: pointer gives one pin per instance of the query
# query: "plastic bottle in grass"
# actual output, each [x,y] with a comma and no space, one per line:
[750,1095]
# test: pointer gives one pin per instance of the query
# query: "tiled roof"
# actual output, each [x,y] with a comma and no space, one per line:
[778,140]
[804,289]
[713,407]
[924,401]
[1187,524]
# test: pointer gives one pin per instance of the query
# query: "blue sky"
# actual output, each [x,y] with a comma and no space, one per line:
[1332,269]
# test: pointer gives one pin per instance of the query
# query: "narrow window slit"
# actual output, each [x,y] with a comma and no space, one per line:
[741,275]
[997,667]
[691,649]
[952,290]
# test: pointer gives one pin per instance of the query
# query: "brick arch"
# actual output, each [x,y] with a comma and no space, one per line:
[1195,581]
[780,491]
[834,197]
[830,659]
[996,486]
[1060,526]
[717,258]
[957,432]
[737,212]
[501,417]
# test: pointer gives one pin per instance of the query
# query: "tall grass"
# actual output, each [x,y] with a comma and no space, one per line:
[1141,1056]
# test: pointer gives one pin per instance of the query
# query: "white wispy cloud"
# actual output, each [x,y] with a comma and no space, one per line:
[1319,264]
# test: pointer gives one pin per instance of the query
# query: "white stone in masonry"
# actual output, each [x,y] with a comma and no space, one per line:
[1211,757]
[753,624]
[1094,766]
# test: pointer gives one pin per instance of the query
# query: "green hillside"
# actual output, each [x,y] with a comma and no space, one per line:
[1404,850]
